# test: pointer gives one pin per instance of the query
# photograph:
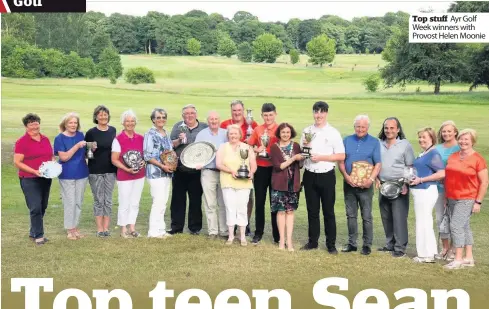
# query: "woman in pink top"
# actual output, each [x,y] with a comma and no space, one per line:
[30,151]
[127,147]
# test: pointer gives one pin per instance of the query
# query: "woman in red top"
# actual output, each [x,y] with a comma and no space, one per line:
[30,151]
[466,182]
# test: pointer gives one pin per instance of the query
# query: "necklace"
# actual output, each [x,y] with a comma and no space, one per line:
[426,151]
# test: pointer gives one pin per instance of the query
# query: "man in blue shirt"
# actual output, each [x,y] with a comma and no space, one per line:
[213,201]
[360,146]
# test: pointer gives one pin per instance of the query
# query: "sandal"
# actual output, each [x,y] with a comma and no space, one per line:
[78,234]
[229,241]
[71,236]
[134,234]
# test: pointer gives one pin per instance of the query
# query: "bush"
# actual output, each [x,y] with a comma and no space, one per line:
[294,56]
[372,83]
[267,48]
[24,62]
[140,75]
[245,53]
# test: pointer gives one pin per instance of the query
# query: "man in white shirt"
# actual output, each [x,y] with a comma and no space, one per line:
[319,178]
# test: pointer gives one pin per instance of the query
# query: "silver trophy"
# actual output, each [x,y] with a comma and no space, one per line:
[243,172]
[391,189]
[184,129]
[265,140]
[90,146]
[249,121]
[306,150]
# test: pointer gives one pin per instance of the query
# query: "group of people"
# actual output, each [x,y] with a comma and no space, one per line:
[451,177]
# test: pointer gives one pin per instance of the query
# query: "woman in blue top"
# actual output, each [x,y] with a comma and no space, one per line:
[69,145]
[430,169]
[159,175]
[447,137]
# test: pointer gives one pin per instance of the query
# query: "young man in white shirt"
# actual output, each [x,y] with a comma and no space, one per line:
[319,177]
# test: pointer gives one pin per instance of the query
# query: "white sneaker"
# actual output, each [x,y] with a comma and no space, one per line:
[454,265]
[468,263]
[423,260]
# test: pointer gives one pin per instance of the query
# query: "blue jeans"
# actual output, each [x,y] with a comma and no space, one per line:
[36,192]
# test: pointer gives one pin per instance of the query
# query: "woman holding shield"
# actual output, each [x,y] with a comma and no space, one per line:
[127,156]
[158,172]
[236,180]
[30,151]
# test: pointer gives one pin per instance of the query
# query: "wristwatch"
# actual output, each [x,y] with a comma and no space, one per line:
[478,202]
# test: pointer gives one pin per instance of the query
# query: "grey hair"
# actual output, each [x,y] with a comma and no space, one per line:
[157,110]
[236,102]
[189,106]
[361,117]
[128,113]
[213,112]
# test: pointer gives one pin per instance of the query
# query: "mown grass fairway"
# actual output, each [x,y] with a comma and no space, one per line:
[188,261]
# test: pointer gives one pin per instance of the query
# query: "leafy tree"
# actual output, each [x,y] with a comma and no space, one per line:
[20,26]
[245,52]
[434,63]
[372,83]
[24,62]
[243,16]
[123,33]
[196,13]
[279,31]
[193,47]
[294,56]
[293,31]
[267,48]
[473,6]
[109,59]
[247,31]
[100,41]
[308,29]
[226,46]
[321,50]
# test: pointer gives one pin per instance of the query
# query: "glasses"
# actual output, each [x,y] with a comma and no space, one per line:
[160,117]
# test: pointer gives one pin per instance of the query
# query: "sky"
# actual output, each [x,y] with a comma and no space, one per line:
[268,11]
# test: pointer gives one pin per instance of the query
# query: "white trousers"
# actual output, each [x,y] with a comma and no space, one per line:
[236,201]
[129,193]
[160,192]
[214,207]
[424,202]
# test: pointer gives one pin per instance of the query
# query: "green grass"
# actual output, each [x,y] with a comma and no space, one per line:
[194,262]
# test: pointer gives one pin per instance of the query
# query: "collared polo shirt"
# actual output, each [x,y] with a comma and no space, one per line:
[191,134]
[35,152]
[395,159]
[255,140]
[215,139]
[244,127]
[327,141]
[366,148]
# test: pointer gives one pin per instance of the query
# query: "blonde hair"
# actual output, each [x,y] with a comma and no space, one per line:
[471,132]
[444,124]
[430,132]
[68,117]
[235,127]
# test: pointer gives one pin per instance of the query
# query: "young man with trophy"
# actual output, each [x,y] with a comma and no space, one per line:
[186,179]
[396,155]
[323,147]
[262,138]
[360,168]
[247,125]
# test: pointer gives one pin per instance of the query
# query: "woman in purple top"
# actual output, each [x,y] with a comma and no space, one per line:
[430,169]
[69,146]
[447,137]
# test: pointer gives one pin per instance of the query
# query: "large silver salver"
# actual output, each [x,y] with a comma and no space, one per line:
[306,149]
[265,141]
[133,159]
[243,171]
[392,188]
[198,154]
[50,169]
[184,129]
[249,121]
[90,146]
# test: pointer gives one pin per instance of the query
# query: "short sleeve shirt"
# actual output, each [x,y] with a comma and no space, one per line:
[217,140]
[366,148]
[426,165]
[327,141]
[35,152]
[76,167]
[395,159]
[101,162]
[244,127]
[255,140]
[461,176]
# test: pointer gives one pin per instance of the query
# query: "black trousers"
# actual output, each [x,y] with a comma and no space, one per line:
[261,183]
[319,189]
[36,192]
[182,183]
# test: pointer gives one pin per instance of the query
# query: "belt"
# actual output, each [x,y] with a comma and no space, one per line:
[213,169]
[319,171]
